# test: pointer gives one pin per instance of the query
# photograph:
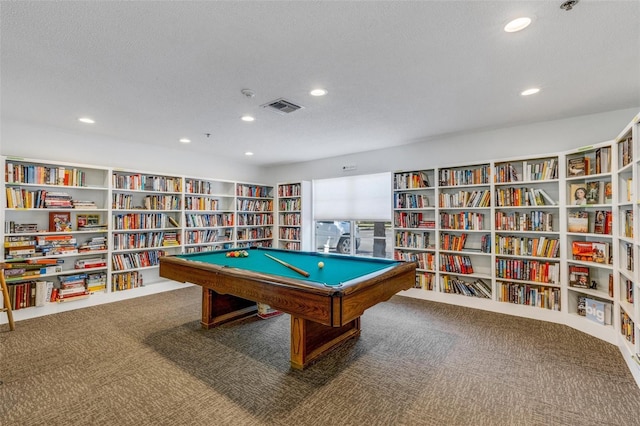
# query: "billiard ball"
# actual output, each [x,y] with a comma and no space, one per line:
[320,265]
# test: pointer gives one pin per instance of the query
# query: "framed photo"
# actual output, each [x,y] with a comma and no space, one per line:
[60,222]
[87,221]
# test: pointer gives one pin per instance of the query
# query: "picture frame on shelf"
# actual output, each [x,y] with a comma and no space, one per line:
[60,222]
[87,221]
[578,194]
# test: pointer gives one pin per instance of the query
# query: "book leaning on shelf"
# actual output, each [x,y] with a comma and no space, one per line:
[579,276]
[591,251]
[598,311]
[578,222]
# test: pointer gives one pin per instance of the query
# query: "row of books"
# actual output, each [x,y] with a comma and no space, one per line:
[289,219]
[426,261]
[290,204]
[462,220]
[538,220]
[454,177]
[460,199]
[197,186]
[254,233]
[627,327]
[625,151]
[134,240]
[530,295]
[579,222]
[458,264]
[424,281]
[408,239]
[22,198]
[527,246]
[255,219]
[289,233]
[403,200]
[255,191]
[44,175]
[521,197]
[592,251]
[412,220]
[593,162]
[410,180]
[208,236]
[255,205]
[289,190]
[124,261]
[140,221]
[542,170]
[528,270]
[476,288]
[453,242]
[140,182]
[208,220]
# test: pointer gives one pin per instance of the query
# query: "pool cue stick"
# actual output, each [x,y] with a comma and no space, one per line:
[293,268]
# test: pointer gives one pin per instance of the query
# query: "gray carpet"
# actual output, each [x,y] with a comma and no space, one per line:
[146,361]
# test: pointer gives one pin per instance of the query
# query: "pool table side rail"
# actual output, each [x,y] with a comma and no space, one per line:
[326,305]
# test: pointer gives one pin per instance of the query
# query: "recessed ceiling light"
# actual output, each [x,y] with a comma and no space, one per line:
[318,92]
[86,120]
[531,91]
[247,118]
[185,140]
[248,153]
[517,25]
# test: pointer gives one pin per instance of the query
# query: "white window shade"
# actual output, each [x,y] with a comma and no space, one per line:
[363,197]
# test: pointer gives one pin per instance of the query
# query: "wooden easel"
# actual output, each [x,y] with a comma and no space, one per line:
[5,295]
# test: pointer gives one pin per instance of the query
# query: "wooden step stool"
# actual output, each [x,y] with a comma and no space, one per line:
[5,296]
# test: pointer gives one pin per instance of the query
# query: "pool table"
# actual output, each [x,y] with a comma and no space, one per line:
[325,307]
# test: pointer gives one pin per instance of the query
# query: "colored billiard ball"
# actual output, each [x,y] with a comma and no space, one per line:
[320,265]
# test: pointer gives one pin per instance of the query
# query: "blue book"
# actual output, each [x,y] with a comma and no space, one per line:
[598,311]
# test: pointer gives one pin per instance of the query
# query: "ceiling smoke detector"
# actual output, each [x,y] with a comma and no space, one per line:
[282,106]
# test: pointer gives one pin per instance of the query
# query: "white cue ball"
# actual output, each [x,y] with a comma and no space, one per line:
[320,265]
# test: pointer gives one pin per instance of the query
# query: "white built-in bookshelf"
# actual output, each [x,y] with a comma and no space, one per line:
[554,240]
[294,216]
[255,215]
[209,214]
[92,235]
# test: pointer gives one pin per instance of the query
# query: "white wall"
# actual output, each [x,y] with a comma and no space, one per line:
[540,138]
[48,143]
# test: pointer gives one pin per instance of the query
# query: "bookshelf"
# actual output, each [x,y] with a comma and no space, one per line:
[102,229]
[55,233]
[627,243]
[590,212]
[527,232]
[146,224]
[464,231]
[414,220]
[209,214]
[254,215]
[294,216]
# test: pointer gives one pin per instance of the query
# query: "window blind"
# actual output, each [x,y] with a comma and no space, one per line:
[362,197]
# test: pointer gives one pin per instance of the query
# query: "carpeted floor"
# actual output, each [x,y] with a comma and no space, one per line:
[146,361]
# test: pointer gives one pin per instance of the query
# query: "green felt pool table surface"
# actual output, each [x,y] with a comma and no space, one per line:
[337,270]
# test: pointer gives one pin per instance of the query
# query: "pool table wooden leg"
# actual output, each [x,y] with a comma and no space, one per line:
[222,308]
[310,340]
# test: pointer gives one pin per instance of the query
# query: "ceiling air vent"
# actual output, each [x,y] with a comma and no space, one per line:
[282,106]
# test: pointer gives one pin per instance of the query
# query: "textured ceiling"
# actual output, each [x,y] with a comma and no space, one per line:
[397,72]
